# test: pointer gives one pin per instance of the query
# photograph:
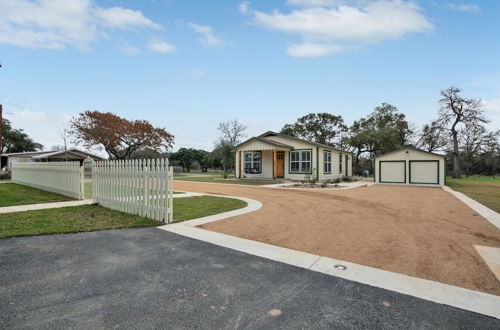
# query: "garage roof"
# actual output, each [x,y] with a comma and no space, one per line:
[409,148]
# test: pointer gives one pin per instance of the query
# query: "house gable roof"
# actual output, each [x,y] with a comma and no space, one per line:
[28,153]
[267,141]
[321,145]
[74,151]
[45,154]
[409,148]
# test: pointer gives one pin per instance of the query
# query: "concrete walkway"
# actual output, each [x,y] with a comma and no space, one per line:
[31,207]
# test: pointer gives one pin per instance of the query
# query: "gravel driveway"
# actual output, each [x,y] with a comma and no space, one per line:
[419,231]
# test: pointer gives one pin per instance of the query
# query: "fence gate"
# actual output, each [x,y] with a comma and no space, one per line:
[141,187]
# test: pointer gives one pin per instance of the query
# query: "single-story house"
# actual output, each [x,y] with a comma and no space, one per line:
[71,154]
[278,156]
[410,166]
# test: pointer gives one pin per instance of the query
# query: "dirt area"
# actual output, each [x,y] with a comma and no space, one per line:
[419,231]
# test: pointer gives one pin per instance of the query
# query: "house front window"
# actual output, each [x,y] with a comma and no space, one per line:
[340,164]
[327,164]
[300,161]
[253,162]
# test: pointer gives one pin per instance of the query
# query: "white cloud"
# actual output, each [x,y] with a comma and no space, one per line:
[161,46]
[309,49]
[57,24]
[317,3]
[123,18]
[244,7]
[207,36]
[360,23]
[43,127]
[197,72]
[463,7]
[492,105]
[129,49]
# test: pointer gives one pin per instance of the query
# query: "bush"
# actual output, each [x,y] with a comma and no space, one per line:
[4,175]
[310,178]
[225,175]
[347,179]
[337,180]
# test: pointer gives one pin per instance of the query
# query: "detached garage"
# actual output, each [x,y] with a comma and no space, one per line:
[410,166]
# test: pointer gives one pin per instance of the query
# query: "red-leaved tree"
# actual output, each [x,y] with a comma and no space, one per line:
[118,136]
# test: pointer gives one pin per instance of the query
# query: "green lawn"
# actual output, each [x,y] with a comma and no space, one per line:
[92,217]
[16,194]
[198,173]
[485,190]
[187,208]
[220,179]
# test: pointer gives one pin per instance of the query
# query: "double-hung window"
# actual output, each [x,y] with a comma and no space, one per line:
[253,162]
[300,161]
[340,164]
[327,162]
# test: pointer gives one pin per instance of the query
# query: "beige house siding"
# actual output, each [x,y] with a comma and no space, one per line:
[317,159]
[422,171]
[266,163]
[17,159]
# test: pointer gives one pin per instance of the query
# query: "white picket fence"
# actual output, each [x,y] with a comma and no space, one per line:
[141,187]
[65,178]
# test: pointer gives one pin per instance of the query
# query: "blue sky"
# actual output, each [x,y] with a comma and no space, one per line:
[186,65]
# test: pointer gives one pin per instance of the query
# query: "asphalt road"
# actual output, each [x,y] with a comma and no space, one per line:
[149,278]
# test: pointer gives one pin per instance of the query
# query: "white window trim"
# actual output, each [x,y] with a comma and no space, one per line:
[300,161]
[325,162]
[252,161]
[340,163]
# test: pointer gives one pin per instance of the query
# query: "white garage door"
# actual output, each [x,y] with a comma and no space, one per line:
[393,171]
[424,171]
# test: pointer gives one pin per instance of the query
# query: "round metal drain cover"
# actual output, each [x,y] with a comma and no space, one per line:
[340,267]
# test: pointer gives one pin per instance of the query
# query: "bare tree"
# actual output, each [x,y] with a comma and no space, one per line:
[472,135]
[64,137]
[454,112]
[432,138]
[232,131]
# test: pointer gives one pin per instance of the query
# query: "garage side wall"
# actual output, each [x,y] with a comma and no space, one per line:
[408,155]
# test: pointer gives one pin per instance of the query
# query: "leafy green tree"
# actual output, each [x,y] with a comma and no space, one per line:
[322,127]
[16,140]
[207,162]
[185,158]
[224,151]
[383,130]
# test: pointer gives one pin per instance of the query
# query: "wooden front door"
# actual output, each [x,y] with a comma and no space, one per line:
[279,164]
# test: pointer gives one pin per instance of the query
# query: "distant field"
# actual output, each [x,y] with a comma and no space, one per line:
[485,190]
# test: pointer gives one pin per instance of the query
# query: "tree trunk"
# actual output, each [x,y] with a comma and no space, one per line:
[456,160]
[467,171]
